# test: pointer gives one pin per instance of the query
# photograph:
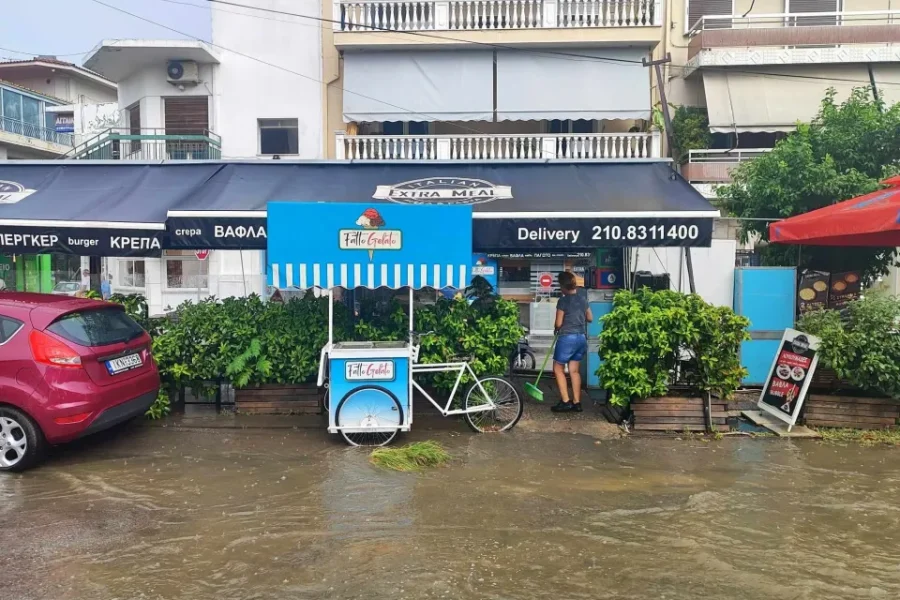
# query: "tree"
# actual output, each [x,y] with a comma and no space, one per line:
[845,152]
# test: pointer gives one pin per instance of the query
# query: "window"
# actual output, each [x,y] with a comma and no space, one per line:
[797,7]
[185,271]
[697,9]
[8,328]
[12,105]
[131,273]
[278,136]
[97,327]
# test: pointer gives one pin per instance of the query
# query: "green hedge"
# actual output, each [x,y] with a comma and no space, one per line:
[246,341]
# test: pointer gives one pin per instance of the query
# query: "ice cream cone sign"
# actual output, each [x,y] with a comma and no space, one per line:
[370,219]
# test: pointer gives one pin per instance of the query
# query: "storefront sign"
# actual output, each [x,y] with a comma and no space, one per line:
[532,234]
[65,124]
[790,376]
[216,233]
[83,241]
[443,190]
[544,255]
[484,266]
[812,292]
[369,370]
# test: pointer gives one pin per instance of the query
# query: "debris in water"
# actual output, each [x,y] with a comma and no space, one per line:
[412,457]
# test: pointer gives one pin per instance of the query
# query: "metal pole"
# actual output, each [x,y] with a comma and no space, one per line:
[330,317]
[411,341]
[689,263]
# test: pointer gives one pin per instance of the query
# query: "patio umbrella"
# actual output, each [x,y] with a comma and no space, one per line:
[870,220]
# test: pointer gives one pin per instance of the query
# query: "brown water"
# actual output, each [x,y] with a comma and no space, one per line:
[160,513]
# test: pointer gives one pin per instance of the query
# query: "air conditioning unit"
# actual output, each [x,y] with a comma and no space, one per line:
[182,72]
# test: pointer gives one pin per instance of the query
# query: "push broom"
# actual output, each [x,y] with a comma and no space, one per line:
[532,388]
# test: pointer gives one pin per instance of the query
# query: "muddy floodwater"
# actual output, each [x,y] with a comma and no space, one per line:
[153,512]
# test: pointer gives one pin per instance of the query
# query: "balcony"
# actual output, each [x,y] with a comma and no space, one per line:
[453,22]
[708,169]
[565,146]
[40,140]
[148,144]
[786,38]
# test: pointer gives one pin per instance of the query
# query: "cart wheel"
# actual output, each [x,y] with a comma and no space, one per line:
[508,409]
[326,398]
[369,406]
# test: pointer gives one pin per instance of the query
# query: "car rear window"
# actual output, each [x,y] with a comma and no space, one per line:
[97,327]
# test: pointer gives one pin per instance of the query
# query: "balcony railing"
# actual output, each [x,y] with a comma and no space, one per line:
[148,144]
[863,18]
[715,166]
[35,132]
[574,146]
[472,15]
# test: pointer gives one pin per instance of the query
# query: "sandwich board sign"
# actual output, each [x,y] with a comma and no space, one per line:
[790,376]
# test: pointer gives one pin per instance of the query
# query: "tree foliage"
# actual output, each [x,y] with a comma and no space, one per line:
[845,152]
[690,131]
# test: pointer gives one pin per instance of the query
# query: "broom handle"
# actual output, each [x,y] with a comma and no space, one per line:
[546,359]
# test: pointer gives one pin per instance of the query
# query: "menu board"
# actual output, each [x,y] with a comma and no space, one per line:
[812,293]
[790,376]
[845,287]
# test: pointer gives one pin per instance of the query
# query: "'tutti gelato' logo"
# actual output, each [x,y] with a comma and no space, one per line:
[371,237]
[443,190]
[12,192]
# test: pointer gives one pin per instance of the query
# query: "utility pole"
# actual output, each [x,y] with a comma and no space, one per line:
[667,118]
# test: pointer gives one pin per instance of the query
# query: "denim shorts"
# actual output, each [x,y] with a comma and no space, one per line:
[569,347]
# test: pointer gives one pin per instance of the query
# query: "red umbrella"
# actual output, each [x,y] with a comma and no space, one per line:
[870,220]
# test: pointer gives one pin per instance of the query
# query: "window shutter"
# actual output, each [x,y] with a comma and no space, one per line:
[187,115]
[797,7]
[700,8]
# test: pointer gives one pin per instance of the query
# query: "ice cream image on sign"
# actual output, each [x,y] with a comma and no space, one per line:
[370,219]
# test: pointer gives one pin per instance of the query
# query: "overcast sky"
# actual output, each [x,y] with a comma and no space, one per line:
[70,28]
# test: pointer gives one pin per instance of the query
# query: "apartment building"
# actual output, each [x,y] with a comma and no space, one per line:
[47,105]
[760,66]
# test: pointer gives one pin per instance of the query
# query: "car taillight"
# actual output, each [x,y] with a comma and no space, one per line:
[50,351]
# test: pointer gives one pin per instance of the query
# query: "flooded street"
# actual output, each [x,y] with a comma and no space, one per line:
[152,512]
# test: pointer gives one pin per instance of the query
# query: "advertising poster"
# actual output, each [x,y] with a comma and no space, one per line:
[812,292]
[790,376]
[845,288]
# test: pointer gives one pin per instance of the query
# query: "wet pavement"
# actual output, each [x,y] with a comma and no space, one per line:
[194,513]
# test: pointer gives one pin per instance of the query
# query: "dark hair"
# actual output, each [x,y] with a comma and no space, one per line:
[566,281]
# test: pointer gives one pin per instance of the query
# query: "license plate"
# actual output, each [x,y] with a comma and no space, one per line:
[123,363]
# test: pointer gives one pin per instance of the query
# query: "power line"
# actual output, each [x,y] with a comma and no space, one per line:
[38,54]
[562,55]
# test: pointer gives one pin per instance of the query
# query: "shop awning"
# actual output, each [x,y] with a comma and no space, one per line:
[92,209]
[536,86]
[772,98]
[418,86]
[127,209]
[521,205]
[870,220]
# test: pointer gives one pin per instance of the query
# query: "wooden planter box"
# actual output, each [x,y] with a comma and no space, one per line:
[851,412]
[275,399]
[672,413]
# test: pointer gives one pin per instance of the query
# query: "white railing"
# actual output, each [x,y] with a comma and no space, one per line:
[818,19]
[725,156]
[455,15]
[566,146]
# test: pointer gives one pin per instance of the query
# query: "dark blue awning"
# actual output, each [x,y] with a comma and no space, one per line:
[516,205]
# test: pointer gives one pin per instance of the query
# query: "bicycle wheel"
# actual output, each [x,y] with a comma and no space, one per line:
[508,406]
[371,407]
[523,361]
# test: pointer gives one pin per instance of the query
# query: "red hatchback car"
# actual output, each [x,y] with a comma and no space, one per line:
[68,367]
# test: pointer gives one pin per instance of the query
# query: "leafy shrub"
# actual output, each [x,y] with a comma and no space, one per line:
[648,334]
[863,345]
[245,341]
[160,407]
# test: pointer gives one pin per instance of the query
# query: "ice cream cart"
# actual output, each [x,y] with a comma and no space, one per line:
[370,384]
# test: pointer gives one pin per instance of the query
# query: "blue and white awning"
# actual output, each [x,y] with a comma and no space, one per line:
[353,275]
[374,245]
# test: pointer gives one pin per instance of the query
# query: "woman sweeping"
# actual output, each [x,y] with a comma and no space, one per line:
[572,315]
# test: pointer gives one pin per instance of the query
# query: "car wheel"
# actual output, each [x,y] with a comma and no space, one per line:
[21,442]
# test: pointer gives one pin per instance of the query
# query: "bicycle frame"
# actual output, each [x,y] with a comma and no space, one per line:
[461,368]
